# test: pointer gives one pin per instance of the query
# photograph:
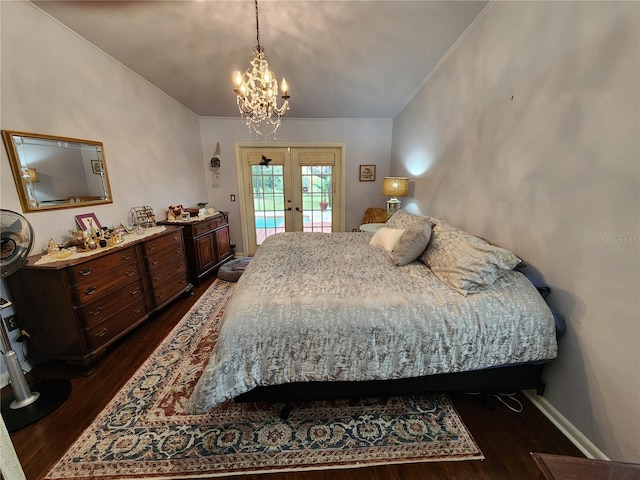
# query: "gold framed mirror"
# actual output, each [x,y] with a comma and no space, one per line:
[52,172]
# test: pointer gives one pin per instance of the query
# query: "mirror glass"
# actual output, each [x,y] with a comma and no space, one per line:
[57,172]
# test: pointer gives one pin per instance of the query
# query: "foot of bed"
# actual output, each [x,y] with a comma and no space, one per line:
[540,389]
[286,411]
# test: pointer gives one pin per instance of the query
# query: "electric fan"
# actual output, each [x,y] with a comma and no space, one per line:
[25,405]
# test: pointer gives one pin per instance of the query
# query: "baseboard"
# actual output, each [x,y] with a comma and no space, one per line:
[565,426]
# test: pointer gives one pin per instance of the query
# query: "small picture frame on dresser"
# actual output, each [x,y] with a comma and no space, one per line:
[88,220]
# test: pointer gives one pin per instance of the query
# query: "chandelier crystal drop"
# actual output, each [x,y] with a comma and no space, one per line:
[257,92]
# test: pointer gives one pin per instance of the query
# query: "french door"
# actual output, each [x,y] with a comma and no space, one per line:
[288,189]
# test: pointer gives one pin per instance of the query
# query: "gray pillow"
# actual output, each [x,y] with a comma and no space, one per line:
[465,262]
[412,243]
[402,219]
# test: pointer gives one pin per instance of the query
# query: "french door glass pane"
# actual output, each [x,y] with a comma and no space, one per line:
[317,197]
[268,200]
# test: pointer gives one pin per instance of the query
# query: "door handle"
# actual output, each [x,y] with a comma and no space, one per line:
[289,209]
[298,209]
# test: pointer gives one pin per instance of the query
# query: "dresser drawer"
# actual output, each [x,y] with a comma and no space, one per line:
[165,241]
[161,257]
[102,266]
[205,227]
[166,271]
[166,291]
[101,333]
[107,305]
[90,290]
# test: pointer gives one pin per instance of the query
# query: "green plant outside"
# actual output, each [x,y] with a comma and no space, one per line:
[269,192]
[275,202]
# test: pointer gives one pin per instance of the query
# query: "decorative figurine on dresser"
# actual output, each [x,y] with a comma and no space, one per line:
[206,238]
[73,306]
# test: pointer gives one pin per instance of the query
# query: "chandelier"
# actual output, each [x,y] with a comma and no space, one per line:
[257,92]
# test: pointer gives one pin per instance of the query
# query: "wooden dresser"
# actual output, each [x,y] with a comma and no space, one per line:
[207,244]
[74,309]
[166,267]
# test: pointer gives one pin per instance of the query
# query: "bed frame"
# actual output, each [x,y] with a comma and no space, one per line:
[486,382]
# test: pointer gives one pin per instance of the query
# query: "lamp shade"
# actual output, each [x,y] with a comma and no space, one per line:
[395,186]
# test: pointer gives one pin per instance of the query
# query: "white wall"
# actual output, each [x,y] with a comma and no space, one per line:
[368,141]
[54,82]
[528,135]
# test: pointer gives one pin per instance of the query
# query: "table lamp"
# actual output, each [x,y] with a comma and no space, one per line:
[394,187]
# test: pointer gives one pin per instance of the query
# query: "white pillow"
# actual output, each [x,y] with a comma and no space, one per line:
[387,238]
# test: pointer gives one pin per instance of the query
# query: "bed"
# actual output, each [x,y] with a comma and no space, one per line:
[335,314]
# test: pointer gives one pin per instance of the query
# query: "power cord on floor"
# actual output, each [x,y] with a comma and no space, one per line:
[505,398]
[509,400]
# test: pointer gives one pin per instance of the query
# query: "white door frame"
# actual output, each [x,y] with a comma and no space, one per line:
[245,190]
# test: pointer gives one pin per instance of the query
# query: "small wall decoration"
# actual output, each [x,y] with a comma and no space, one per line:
[367,173]
[88,220]
[97,167]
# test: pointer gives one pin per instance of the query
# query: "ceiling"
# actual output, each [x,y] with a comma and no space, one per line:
[341,59]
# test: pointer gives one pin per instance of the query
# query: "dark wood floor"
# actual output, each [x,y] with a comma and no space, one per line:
[506,438]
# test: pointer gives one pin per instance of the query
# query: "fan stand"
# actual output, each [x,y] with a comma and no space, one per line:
[25,406]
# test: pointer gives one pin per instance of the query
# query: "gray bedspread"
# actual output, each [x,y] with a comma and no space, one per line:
[330,307]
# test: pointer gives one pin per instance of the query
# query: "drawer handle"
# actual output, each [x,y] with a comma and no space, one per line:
[160,294]
[101,333]
[176,237]
[136,311]
[154,262]
[130,273]
[89,291]
[126,257]
[152,246]
[134,291]
[97,312]
[85,271]
[157,277]
[178,250]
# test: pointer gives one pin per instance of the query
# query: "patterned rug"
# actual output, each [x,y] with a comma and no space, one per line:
[145,433]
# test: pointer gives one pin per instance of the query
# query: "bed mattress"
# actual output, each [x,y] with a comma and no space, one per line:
[331,307]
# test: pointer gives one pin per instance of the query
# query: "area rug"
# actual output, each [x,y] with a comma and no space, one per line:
[144,432]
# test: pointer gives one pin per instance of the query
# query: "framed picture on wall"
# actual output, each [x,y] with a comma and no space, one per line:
[97,167]
[367,173]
